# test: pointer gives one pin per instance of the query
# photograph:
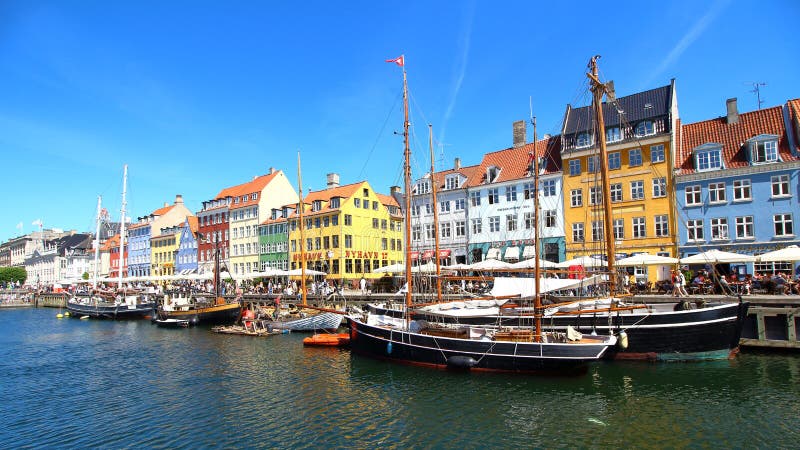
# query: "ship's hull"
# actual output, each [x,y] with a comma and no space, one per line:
[655,333]
[107,310]
[486,355]
[223,314]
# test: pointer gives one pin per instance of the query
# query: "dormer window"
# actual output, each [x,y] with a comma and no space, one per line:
[316,205]
[613,134]
[583,140]
[423,187]
[492,172]
[708,157]
[763,149]
[451,182]
[645,128]
[335,203]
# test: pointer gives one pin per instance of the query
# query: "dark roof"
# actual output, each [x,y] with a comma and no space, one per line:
[635,108]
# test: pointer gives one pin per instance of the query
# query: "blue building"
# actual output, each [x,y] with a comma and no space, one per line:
[186,261]
[737,181]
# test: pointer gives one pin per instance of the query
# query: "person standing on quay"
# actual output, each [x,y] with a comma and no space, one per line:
[363,286]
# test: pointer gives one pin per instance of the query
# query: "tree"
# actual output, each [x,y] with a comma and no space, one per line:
[13,274]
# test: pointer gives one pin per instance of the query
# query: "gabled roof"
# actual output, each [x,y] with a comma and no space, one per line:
[193,225]
[387,200]
[110,243]
[256,185]
[514,163]
[642,105]
[162,211]
[732,137]
[441,176]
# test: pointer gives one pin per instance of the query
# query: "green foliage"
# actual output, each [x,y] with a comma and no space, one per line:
[13,274]
[85,275]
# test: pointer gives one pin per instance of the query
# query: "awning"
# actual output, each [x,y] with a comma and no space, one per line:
[414,255]
[444,253]
[427,254]
[511,253]
[493,253]
[529,252]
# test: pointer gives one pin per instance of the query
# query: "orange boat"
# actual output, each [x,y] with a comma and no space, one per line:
[328,340]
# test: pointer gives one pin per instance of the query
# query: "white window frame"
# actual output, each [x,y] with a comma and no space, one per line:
[784,225]
[694,195]
[657,153]
[719,229]
[661,225]
[780,186]
[694,230]
[716,193]
[639,227]
[742,190]
[637,190]
[744,227]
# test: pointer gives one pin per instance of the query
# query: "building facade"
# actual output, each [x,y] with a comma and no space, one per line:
[140,234]
[186,260]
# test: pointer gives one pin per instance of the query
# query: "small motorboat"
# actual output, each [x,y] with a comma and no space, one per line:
[327,340]
[172,323]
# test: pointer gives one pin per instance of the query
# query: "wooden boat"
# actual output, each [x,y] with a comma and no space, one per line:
[256,328]
[523,348]
[172,323]
[201,310]
[327,340]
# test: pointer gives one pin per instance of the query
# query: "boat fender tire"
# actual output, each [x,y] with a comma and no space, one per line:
[461,362]
[623,340]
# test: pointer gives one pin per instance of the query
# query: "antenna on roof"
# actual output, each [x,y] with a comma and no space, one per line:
[757,90]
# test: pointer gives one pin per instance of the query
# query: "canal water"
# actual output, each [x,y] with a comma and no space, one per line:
[73,383]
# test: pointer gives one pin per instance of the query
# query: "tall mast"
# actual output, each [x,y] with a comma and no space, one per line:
[122,225]
[598,90]
[407,176]
[300,205]
[97,241]
[537,299]
[435,219]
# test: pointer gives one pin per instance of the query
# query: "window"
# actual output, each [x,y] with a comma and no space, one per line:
[366,204]
[645,128]
[592,164]
[549,188]
[494,224]
[583,140]
[576,197]
[741,190]
[528,219]
[357,202]
[694,229]
[597,230]
[637,190]
[335,220]
[719,229]
[574,167]
[375,223]
[375,206]
[550,218]
[639,227]
[445,230]
[511,194]
[744,227]
[423,187]
[475,198]
[659,187]
[461,228]
[577,232]
[451,182]
[477,226]
[662,227]
[429,231]
[694,195]
[595,195]
[348,219]
[428,208]
[348,241]
[635,157]
[527,191]
[613,134]
[656,153]
[460,204]
[619,229]
[716,193]
[614,161]
[709,160]
[493,195]
[334,202]
[416,232]
[765,151]
[335,241]
[780,186]
[511,223]
[616,192]
[783,225]
[383,224]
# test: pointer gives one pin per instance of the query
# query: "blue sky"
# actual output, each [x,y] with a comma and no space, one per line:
[196,96]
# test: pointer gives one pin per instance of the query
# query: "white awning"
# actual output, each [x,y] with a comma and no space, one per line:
[529,252]
[511,253]
[493,253]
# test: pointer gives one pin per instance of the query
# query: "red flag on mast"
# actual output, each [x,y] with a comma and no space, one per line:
[399,60]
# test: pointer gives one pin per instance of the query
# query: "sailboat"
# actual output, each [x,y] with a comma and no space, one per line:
[109,305]
[664,331]
[519,348]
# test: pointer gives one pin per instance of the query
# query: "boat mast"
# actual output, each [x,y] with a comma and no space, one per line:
[122,225]
[435,219]
[598,90]
[537,299]
[97,241]
[300,205]
[407,176]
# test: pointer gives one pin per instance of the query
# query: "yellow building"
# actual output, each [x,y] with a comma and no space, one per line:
[163,249]
[348,231]
[640,138]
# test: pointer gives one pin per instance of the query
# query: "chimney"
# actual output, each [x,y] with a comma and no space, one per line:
[178,199]
[733,111]
[165,204]
[519,133]
[457,164]
[333,180]
[394,190]
[271,170]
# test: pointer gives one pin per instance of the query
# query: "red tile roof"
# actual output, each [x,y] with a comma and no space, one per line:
[255,186]
[514,162]
[193,225]
[732,137]
[162,211]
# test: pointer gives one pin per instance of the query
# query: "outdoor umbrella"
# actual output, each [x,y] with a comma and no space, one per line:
[715,256]
[645,259]
[585,261]
[790,253]
[531,263]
